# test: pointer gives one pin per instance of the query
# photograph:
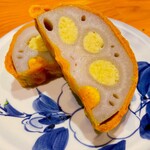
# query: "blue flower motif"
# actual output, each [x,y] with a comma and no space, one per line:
[44,104]
[144,79]
[145,127]
[54,140]
[9,110]
[118,146]
[144,89]
[47,114]
[47,107]
[143,84]
[148,108]
[32,124]
[54,118]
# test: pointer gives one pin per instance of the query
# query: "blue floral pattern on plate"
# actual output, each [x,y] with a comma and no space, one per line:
[49,117]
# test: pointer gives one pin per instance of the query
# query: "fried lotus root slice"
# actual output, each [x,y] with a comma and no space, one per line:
[28,59]
[95,59]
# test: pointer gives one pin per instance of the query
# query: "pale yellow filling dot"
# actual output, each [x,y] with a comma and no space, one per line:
[68,31]
[33,63]
[93,42]
[104,72]
[37,43]
[90,96]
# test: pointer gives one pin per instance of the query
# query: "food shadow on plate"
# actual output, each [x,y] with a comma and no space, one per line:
[20,93]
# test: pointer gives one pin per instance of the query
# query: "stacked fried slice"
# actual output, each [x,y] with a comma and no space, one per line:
[28,59]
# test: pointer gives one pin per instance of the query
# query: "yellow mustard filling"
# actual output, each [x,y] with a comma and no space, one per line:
[93,42]
[68,31]
[90,96]
[104,72]
[37,43]
[35,62]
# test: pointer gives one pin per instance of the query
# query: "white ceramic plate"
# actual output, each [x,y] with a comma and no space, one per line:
[22,126]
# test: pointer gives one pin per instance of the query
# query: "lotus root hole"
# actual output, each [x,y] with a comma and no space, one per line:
[83,18]
[19,57]
[116,96]
[111,103]
[20,51]
[48,25]
[116,54]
